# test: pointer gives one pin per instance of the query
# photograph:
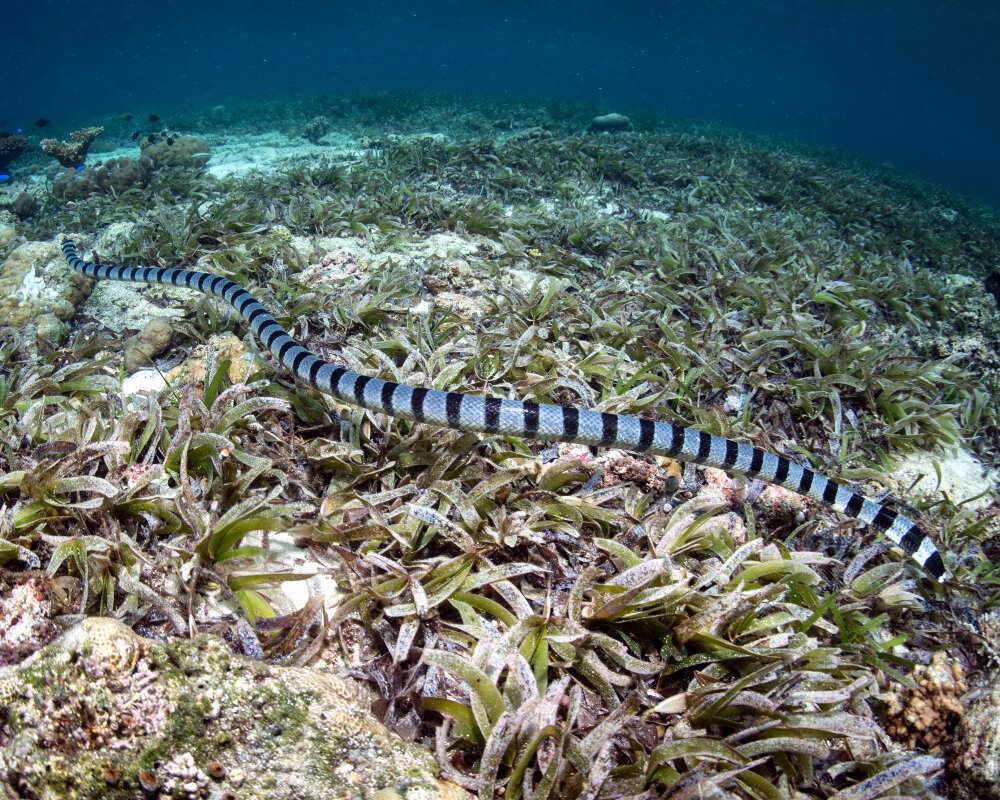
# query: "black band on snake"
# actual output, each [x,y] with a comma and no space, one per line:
[530,420]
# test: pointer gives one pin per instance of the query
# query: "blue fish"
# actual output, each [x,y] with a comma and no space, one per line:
[81,168]
[19,130]
[4,178]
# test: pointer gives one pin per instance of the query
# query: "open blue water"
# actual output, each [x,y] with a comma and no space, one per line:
[914,83]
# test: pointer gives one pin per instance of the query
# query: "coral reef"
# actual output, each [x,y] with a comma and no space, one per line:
[974,751]
[169,150]
[74,152]
[189,717]
[24,205]
[11,147]
[224,347]
[926,716]
[316,128]
[116,174]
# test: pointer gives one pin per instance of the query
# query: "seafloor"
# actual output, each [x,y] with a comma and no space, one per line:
[548,621]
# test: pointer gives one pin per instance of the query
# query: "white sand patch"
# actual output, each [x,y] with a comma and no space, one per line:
[285,556]
[272,152]
[962,477]
[444,245]
[261,152]
[33,288]
[142,382]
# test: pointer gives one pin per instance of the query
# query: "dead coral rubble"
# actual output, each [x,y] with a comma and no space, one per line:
[74,152]
[926,716]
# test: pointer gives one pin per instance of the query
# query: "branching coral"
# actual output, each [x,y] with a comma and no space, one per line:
[74,152]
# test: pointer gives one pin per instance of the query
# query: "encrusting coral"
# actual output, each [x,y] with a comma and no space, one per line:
[74,152]
[926,716]
[183,715]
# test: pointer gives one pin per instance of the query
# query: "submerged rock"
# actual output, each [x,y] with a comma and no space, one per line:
[103,712]
[34,281]
[176,151]
[992,285]
[611,122]
[152,340]
[24,205]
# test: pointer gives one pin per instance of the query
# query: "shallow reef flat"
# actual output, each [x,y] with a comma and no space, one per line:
[531,619]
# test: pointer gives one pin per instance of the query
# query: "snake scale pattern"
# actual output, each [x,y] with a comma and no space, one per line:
[526,419]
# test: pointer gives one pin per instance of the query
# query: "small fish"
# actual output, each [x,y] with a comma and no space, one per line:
[128,117]
[4,178]
[154,118]
[135,136]
[81,168]
[19,130]
[41,122]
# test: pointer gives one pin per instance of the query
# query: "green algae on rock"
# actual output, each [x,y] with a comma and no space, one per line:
[102,700]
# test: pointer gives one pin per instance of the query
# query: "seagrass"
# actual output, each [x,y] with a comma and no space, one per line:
[468,412]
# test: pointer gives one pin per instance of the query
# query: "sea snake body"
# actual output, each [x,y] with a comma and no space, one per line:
[527,419]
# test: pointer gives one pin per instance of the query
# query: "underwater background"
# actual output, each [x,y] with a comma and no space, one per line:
[727,272]
[911,82]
